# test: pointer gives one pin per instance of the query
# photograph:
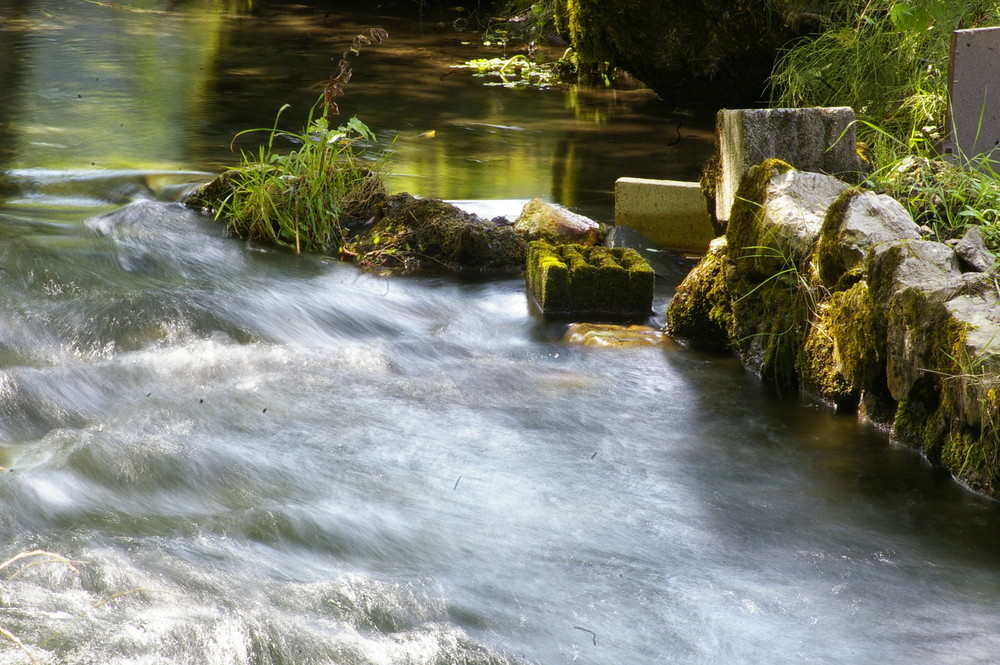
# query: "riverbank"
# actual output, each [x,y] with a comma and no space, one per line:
[821,286]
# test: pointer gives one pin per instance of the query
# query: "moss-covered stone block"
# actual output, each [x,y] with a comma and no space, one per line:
[576,280]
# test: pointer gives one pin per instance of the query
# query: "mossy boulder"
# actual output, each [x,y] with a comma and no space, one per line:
[411,234]
[777,217]
[691,52]
[873,319]
[701,311]
[597,281]
[209,196]
[856,221]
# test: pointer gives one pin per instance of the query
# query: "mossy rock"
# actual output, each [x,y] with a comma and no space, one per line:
[700,311]
[777,217]
[705,52]
[579,280]
[211,195]
[411,234]
[820,368]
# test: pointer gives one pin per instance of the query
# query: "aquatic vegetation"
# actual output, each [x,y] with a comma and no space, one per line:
[518,71]
[420,234]
[304,199]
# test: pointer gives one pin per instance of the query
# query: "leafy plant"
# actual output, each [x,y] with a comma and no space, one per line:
[301,199]
[889,61]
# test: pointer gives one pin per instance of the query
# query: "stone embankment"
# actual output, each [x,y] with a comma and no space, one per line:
[826,287]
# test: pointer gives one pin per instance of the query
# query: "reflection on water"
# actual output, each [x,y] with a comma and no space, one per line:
[147,85]
[261,458]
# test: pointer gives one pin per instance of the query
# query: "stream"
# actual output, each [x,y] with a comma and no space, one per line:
[244,456]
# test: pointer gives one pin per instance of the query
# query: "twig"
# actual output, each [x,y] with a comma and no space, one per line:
[587,630]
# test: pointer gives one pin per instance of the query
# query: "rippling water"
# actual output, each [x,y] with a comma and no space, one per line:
[253,457]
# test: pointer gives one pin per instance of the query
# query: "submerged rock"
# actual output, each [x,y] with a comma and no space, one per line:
[616,336]
[410,234]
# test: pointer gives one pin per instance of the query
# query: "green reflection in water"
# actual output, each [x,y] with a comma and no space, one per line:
[167,84]
[111,86]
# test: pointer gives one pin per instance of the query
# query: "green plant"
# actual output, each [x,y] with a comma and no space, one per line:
[888,60]
[301,199]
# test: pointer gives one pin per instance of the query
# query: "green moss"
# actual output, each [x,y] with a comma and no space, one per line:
[972,456]
[857,333]
[688,52]
[745,233]
[573,279]
[548,277]
[828,257]
[771,320]
[701,310]
[819,368]
[429,234]
[919,422]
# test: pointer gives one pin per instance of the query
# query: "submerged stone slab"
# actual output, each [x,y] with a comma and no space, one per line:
[671,213]
[616,336]
[579,280]
[810,139]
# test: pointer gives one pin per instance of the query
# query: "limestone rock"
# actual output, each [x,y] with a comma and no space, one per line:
[556,225]
[778,215]
[855,222]
[979,317]
[929,266]
[972,251]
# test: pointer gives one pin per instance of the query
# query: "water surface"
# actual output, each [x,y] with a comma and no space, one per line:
[256,457]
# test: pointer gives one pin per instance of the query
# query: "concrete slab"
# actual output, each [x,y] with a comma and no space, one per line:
[817,139]
[673,214]
[974,93]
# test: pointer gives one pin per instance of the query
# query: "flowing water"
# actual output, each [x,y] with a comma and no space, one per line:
[252,457]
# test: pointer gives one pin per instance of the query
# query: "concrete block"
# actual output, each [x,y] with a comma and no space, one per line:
[578,280]
[672,214]
[974,93]
[810,139]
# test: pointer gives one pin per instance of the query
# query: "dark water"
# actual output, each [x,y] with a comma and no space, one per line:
[254,457]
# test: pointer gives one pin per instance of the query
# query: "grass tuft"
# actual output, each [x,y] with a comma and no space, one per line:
[304,199]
